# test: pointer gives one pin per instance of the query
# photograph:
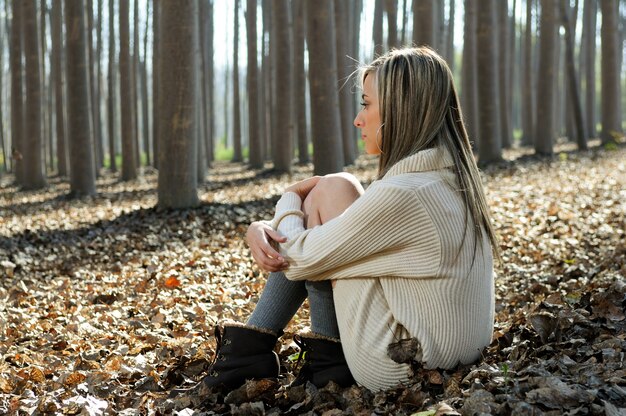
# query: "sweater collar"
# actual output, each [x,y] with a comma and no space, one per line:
[422,161]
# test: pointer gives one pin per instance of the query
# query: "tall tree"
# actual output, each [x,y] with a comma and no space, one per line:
[156,41]
[134,82]
[82,170]
[611,62]
[34,176]
[98,89]
[2,138]
[92,83]
[343,75]
[391,7]
[544,137]
[177,187]
[17,97]
[377,31]
[57,75]
[299,87]
[450,36]
[469,95]
[46,134]
[237,154]
[129,161]
[325,122]
[282,142]
[424,22]
[111,89]
[143,68]
[210,75]
[254,138]
[490,145]
[527,96]
[589,59]
[506,131]
[405,18]
[572,77]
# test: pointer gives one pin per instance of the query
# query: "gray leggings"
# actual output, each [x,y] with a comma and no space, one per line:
[282,297]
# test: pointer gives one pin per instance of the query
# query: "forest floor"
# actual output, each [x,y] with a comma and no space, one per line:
[106,304]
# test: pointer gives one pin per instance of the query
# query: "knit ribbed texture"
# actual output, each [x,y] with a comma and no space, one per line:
[402,268]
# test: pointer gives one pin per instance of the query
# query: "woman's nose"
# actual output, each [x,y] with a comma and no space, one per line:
[357,121]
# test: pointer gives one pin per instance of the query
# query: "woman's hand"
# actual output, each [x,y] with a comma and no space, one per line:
[303,188]
[259,238]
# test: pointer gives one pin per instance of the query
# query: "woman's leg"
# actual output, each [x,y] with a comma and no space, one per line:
[329,199]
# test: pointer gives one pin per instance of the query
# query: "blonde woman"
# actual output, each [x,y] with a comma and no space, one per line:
[410,258]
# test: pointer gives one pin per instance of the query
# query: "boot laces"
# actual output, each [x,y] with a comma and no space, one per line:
[303,350]
[218,348]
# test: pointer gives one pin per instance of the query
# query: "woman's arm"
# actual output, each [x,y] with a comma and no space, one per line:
[371,238]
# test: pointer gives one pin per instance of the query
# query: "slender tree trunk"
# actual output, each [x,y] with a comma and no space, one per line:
[156,14]
[200,139]
[92,83]
[129,160]
[237,154]
[589,42]
[46,136]
[299,87]
[98,89]
[82,170]
[506,132]
[17,94]
[252,79]
[391,7]
[325,122]
[572,79]
[210,71]
[424,22]
[545,85]
[177,186]
[450,36]
[468,78]
[405,19]
[343,75]
[112,83]
[57,71]
[2,142]
[490,147]
[282,141]
[377,31]
[527,90]
[34,176]
[144,90]
[611,86]
[134,82]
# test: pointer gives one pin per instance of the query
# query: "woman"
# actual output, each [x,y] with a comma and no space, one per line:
[410,258]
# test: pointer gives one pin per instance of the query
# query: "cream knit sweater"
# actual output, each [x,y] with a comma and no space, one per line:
[395,255]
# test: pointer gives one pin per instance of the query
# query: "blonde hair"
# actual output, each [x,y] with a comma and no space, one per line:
[419,109]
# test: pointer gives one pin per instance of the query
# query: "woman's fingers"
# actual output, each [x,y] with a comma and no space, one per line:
[275,235]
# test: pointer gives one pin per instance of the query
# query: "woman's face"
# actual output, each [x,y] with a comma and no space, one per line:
[368,119]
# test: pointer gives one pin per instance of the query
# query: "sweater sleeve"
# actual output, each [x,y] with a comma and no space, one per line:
[386,232]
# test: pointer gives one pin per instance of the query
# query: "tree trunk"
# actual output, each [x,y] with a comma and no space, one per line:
[589,57]
[282,140]
[98,90]
[210,71]
[129,160]
[92,83]
[545,86]
[405,19]
[325,122]
[469,95]
[134,82]
[237,154]
[177,185]
[144,91]
[2,140]
[46,136]
[424,22]
[112,83]
[34,176]
[82,170]
[377,31]
[57,71]
[343,75]
[490,146]
[299,83]
[528,101]
[572,78]
[504,72]
[200,139]
[450,36]
[17,94]
[156,105]
[611,86]
[391,7]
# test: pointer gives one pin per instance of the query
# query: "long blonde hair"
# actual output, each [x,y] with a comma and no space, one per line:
[420,109]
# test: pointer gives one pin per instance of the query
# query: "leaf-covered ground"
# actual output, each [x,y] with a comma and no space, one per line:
[106,304]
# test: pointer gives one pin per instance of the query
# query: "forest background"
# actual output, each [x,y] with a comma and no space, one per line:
[138,139]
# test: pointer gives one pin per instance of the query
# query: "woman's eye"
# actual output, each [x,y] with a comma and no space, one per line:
[363,104]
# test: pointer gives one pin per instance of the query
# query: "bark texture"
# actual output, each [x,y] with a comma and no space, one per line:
[548,35]
[611,62]
[129,157]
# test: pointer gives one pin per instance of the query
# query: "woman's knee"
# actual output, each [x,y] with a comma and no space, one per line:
[332,195]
